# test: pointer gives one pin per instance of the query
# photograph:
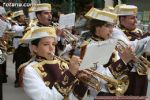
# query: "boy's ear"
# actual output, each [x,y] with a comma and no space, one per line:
[34,48]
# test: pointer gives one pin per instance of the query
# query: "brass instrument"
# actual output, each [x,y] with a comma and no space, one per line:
[7,39]
[32,22]
[92,81]
[142,64]
[118,86]
[7,36]
[70,38]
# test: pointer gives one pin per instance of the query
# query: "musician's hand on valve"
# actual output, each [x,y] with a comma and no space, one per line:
[145,62]
[59,32]
[127,55]
[74,64]
[83,75]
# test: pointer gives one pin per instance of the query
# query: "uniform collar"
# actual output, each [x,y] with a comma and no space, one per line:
[126,30]
[40,24]
[96,38]
[39,58]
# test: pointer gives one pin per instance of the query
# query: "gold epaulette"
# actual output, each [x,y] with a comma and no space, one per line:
[39,66]
[137,30]
[65,90]
[25,64]
[40,69]
[85,42]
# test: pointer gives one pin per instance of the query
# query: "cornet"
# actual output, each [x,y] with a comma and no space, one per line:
[141,64]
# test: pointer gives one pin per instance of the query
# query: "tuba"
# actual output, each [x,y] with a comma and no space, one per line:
[141,64]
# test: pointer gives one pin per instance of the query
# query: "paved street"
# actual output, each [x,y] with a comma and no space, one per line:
[11,93]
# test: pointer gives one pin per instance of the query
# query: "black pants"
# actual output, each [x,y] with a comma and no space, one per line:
[16,72]
[105,94]
[3,74]
[4,69]
[21,55]
[1,91]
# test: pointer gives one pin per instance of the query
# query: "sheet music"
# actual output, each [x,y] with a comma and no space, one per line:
[99,52]
[3,26]
[67,21]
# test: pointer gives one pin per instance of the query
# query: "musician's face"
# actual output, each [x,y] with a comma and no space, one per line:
[45,17]
[45,46]
[22,18]
[104,31]
[129,22]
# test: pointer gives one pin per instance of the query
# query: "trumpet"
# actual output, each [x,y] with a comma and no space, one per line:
[59,58]
[7,42]
[141,64]
[118,86]
[70,38]
[32,22]
[92,81]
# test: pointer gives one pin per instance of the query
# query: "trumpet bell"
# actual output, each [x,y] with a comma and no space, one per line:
[90,81]
[121,87]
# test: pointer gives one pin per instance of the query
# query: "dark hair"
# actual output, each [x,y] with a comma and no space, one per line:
[121,17]
[17,18]
[35,42]
[38,13]
[95,23]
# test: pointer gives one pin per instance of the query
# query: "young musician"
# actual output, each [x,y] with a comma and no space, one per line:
[101,27]
[45,76]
